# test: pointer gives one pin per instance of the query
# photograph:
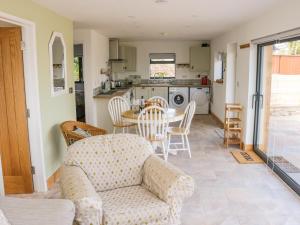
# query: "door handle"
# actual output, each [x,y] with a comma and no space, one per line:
[261,98]
[253,99]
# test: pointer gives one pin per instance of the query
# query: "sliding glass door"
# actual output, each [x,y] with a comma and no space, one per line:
[277,103]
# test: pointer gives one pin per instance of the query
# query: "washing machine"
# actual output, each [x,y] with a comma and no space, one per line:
[178,97]
[201,96]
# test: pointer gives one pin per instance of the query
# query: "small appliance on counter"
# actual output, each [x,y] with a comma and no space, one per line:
[136,79]
[204,80]
[113,84]
[105,86]
[118,83]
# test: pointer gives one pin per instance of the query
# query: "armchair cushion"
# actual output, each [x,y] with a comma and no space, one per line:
[110,161]
[168,183]
[133,205]
[77,188]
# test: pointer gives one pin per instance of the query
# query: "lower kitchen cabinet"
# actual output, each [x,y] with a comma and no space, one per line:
[142,92]
[159,91]
[148,92]
[103,117]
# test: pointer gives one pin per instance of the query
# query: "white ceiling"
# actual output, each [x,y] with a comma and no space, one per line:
[146,19]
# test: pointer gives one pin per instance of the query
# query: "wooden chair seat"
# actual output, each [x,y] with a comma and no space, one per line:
[156,138]
[182,130]
[124,124]
[176,130]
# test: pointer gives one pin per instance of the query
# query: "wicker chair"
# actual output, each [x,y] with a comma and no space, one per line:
[70,136]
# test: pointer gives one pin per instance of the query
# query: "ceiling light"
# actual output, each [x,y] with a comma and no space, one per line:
[163,33]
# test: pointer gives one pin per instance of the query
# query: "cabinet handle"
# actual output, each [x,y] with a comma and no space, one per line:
[152,89]
[192,67]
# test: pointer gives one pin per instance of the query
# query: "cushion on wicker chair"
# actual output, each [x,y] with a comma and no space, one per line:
[75,130]
[133,205]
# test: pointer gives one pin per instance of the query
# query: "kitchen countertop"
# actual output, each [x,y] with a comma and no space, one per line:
[113,93]
[122,91]
[171,85]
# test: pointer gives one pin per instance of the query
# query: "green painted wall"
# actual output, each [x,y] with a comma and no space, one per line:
[54,110]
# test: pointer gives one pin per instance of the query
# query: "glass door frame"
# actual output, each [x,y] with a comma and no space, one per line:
[257,102]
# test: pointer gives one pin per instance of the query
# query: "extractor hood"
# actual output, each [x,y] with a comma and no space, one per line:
[114,51]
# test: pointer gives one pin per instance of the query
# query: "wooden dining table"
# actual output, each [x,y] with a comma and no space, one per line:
[173,115]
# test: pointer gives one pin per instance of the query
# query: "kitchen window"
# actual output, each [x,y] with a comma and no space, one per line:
[162,65]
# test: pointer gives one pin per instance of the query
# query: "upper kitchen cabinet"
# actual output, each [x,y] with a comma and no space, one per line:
[129,57]
[200,59]
[127,60]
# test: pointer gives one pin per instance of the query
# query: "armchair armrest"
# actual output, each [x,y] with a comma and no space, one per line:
[168,183]
[77,187]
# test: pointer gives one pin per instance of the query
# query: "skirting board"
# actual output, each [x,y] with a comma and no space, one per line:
[217,119]
[248,147]
[53,178]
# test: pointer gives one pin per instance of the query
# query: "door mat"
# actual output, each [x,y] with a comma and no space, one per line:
[246,157]
[285,165]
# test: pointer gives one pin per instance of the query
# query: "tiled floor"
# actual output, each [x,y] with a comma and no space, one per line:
[228,193]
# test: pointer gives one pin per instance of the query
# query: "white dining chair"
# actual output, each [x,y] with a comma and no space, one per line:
[152,125]
[116,106]
[159,101]
[183,130]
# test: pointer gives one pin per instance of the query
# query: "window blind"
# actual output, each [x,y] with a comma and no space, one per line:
[162,58]
[278,37]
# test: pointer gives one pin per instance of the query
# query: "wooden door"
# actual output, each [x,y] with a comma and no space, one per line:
[14,143]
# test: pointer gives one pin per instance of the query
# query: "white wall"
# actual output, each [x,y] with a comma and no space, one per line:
[282,17]
[95,57]
[230,73]
[144,48]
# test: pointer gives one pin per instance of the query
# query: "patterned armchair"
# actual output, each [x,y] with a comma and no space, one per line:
[117,180]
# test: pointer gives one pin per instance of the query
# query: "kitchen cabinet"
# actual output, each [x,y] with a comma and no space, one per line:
[142,92]
[148,92]
[128,55]
[127,97]
[159,91]
[200,59]
[103,117]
